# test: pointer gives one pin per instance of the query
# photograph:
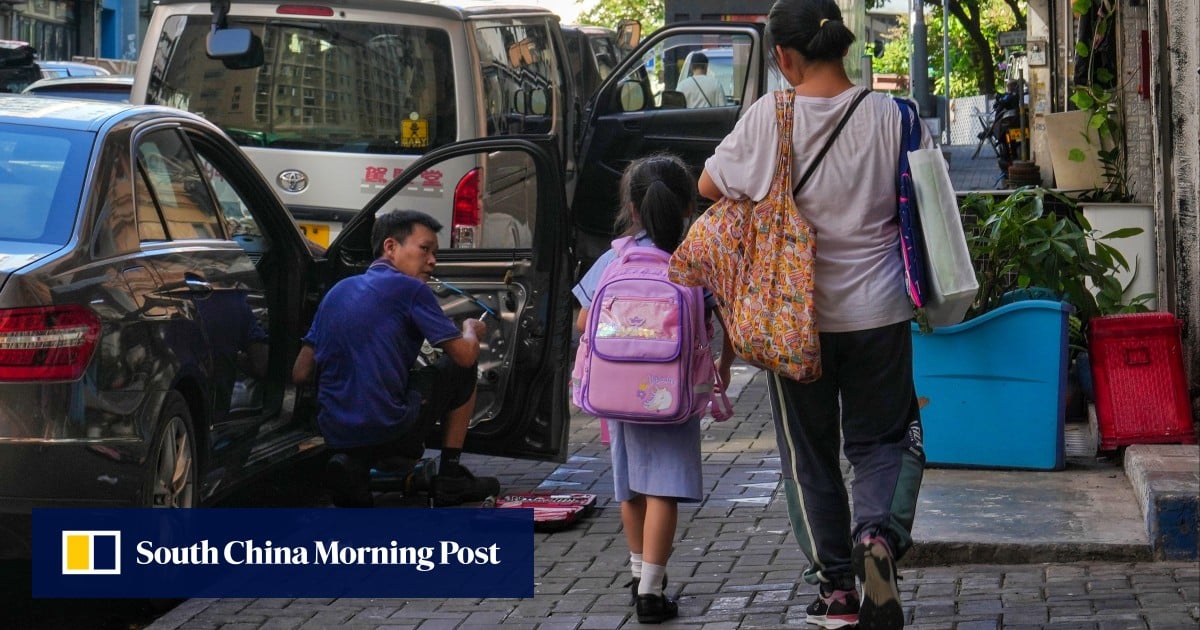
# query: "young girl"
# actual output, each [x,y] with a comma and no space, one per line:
[654,466]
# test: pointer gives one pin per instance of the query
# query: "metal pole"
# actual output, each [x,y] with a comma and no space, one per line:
[919,66]
[946,67]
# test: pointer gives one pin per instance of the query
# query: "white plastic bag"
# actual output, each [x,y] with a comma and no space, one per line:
[952,281]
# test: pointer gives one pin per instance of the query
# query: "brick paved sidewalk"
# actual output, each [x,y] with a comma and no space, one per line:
[736,565]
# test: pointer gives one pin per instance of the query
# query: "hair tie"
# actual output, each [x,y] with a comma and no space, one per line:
[822,23]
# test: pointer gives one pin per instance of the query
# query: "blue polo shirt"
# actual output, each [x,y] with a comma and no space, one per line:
[366,336]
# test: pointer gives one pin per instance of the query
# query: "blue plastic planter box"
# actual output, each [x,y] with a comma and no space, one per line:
[994,387]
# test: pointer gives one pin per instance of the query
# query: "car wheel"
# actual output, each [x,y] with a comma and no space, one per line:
[171,481]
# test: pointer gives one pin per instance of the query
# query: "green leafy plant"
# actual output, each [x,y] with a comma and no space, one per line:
[1036,239]
[1099,96]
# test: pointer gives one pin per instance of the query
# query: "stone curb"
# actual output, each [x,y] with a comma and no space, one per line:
[1166,479]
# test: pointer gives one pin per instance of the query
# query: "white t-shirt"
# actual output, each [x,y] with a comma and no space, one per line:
[850,200]
[702,90]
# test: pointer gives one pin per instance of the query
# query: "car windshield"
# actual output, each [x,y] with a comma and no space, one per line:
[41,179]
[324,86]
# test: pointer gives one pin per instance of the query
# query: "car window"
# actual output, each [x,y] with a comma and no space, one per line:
[663,78]
[41,180]
[234,209]
[521,78]
[116,231]
[117,94]
[177,186]
[325,86]
[150,225]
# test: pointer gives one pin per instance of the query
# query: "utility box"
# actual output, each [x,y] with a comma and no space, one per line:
[1141,389]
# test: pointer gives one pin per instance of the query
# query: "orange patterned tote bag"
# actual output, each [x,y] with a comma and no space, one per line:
[757,259]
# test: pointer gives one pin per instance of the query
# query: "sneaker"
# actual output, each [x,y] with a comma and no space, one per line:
[835,610]
[464,487]
[875,568]
[656,608]
[348,482]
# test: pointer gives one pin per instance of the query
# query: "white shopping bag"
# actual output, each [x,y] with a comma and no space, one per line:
[952,281]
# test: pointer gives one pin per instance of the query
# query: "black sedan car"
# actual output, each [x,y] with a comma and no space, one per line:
[154,289]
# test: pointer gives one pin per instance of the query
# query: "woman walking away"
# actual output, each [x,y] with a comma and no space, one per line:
[655,466]
[862,312]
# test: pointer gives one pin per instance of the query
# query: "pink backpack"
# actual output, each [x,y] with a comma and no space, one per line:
[644,356]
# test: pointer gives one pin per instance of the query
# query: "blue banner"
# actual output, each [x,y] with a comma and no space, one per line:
[405,553]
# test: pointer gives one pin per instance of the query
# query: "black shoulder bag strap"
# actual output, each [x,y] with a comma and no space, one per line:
[828,143]
[701,88]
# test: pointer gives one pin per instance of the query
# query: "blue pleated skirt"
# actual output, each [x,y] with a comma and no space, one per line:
[656,460]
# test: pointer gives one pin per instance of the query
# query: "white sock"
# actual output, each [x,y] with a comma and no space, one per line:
[635,564]
[652,575]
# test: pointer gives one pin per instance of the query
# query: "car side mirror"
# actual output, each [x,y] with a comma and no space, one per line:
[237,48]
[629,33]
[633,99]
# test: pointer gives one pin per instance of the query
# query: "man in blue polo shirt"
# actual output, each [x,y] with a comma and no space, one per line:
[362,347]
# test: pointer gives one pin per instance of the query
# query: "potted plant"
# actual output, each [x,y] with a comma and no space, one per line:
[995,383]
[1094,136]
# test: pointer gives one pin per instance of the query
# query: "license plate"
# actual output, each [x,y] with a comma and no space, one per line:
[318,234]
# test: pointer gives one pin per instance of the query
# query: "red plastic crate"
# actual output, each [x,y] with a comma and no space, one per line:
[1141,390]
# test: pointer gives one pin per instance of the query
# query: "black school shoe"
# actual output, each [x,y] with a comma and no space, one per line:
[633,584]
[348,482]
[464,487]
[656,608]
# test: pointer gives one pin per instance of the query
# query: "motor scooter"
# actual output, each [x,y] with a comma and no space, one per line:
[1007,130]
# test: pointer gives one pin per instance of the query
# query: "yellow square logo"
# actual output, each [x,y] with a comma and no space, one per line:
[91,552]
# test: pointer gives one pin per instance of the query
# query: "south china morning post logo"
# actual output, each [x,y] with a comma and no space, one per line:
[214,552]
[91,552]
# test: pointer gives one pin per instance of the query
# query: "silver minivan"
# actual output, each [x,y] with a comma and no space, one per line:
[342,96]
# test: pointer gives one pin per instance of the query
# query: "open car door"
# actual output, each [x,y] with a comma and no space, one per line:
[520,277]
[652,103]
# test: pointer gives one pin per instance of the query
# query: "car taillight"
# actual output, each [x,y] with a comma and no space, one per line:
[467,216]
[46,344]
[300,9]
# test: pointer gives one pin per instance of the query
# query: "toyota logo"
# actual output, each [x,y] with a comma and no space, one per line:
[292,181]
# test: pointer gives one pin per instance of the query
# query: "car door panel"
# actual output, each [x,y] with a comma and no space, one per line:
[522,292]
[633,117]
[280,266]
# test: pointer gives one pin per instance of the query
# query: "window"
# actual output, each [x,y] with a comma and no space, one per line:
[363,83]
[521,78]
[234,209]
[41,180]
[150,227]
[177,187]
[670,77]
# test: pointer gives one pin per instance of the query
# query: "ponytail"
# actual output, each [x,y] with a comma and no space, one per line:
[657,195]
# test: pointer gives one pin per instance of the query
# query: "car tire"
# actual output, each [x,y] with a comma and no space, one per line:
[171,464]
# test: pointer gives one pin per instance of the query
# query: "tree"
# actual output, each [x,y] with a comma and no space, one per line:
[970,73]
[974,28]
[608,13]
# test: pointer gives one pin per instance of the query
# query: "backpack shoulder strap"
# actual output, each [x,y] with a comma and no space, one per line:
[910,131]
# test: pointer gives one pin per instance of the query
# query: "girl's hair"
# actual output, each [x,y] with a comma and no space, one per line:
[657,195]
[814,28]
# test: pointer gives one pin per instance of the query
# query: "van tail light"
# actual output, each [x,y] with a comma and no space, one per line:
[466,228]
[52,343]
[301,9]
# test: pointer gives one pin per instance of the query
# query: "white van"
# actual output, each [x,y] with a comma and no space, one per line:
[348,93]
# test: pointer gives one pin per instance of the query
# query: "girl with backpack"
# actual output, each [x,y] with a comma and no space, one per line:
[655,466]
